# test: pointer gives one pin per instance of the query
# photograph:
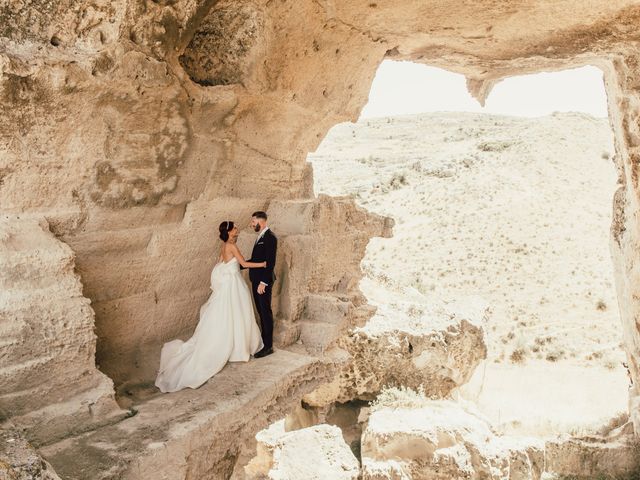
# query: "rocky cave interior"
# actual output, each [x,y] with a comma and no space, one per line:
[130,128]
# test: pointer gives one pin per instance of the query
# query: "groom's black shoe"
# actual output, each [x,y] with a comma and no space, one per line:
[263,353]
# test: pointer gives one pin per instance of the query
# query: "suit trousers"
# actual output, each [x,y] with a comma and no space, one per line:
[263,305]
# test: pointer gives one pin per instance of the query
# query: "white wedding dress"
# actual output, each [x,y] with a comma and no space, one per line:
[227,331]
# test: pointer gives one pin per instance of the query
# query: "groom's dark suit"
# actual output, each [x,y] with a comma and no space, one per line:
[264,250]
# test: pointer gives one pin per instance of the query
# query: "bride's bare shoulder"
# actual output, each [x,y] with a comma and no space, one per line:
[228,250]
[225,251]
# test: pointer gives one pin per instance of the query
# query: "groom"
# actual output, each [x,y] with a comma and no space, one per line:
[264,250]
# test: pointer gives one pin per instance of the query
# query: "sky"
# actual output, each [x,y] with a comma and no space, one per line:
[405,87]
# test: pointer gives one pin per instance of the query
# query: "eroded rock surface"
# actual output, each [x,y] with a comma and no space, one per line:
[204,433]
[225,45]
[442,440]
[317,452]
[593,457]
[409,344]
[49,383]
[132,163]
[19,460]
[403,435]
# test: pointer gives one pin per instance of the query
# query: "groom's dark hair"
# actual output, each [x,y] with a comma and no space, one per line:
[260,214]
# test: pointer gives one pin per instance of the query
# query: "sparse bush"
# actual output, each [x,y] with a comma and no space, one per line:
[400,397]
[610,364]
[554,356]
[617,421]
[398,180]
[518,355]
[605,155]
[493,146]
[601,306]
[543,340]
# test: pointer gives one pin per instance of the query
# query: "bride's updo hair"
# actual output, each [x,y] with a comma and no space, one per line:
[225,228]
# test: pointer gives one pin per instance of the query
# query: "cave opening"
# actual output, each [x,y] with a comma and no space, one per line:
[511,203]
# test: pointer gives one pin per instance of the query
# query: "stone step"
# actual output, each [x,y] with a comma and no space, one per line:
[193,433]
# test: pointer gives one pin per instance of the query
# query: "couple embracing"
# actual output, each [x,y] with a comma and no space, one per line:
[227,330]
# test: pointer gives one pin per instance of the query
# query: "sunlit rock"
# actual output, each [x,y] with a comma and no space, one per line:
[408,437]
[409,344]
[49,383]
[311,453]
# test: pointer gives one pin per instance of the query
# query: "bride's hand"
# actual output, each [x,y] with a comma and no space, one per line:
[264,264]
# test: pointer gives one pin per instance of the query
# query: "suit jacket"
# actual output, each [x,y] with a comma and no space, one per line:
[264,250]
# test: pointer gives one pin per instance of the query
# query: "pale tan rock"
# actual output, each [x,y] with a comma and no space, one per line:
[416,439]
[411,345]
[82,115]
[410,437]
[317,452]
[133,164]
[586,458]
[205,433]
[48,381]
[301,417]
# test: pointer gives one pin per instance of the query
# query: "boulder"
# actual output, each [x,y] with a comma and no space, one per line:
[411,437]
[313,453]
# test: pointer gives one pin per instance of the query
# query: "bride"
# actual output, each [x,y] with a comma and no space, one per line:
[227,330]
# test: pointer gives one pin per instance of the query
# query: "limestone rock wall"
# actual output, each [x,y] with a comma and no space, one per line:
[324,455]
[321,242]
[587,458]
[48,381]
[625,227]
[135,126]
[435,348]
[442,440]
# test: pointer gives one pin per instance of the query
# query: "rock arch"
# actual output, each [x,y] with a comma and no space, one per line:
[132,126]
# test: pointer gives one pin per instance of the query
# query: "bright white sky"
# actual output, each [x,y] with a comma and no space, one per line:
[405,87]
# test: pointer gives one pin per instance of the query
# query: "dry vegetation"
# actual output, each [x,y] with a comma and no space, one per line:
[483,207]
[516,211]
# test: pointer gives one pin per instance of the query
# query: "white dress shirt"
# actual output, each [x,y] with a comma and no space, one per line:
[260,235]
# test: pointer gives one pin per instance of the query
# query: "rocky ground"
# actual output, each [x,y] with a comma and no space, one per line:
[516,211]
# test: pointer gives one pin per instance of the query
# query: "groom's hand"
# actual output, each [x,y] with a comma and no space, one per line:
[261,288]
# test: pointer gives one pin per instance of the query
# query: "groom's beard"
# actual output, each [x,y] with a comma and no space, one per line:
[257,228]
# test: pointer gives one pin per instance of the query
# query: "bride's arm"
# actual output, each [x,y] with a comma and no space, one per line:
[236,252]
